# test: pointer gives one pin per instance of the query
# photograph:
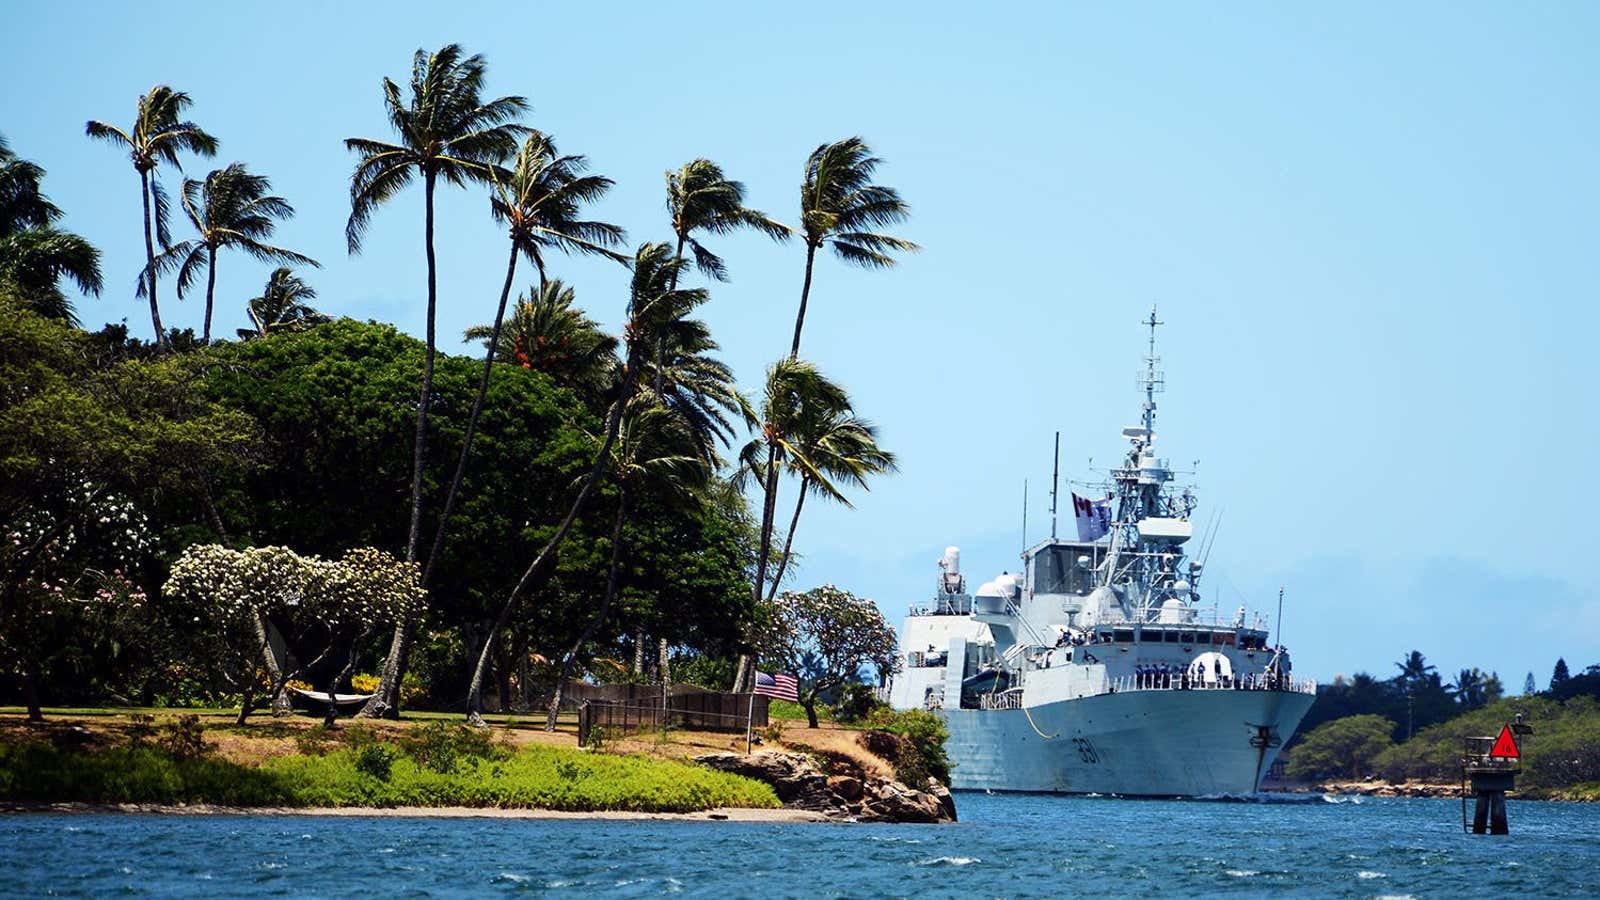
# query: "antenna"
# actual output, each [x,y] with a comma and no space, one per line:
[1153,381]
[1055,474]
[1278,625]
[1024,513]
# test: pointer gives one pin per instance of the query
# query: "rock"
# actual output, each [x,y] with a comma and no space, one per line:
[799,784]
[845,787]
[891,801]
[796,780]
[942,794]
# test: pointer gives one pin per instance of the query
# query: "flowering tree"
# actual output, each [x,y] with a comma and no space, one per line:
[827,636]
[325,605]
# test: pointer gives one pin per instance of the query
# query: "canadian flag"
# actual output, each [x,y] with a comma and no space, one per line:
[1093,517]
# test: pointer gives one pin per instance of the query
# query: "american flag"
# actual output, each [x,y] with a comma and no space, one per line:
[783,687]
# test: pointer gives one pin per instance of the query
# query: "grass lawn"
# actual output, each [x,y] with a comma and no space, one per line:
[108,756]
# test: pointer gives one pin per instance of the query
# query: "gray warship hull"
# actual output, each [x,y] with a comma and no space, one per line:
[1143,743]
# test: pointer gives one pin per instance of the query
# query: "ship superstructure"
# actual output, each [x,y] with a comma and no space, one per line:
[1095,668]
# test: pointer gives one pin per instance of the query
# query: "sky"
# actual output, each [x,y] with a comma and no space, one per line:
[1369,228]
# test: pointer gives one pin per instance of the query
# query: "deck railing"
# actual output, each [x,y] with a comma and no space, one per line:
[1181,681]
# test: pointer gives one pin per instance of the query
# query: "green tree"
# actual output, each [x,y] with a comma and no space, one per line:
[445,130]
[655,454]
[1560,676]
[85,448]
[284,305]
[327,605]
[229,209]
[841,208]
[1343,748]
[159,133]
[1529,686]
[828,635]
[35,255]
[1469,687]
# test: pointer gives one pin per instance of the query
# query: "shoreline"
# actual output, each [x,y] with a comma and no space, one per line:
[730,814]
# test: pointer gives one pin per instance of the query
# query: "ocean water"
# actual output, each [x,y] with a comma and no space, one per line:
[1006,846]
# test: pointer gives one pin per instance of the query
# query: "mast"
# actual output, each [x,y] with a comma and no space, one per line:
[1055,473]
[1153,381]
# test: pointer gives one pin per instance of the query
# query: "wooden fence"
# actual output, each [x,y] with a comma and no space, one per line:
[684,707]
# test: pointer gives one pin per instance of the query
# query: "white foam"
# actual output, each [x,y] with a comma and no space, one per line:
[949,861]
[1242,873]
[1371,875]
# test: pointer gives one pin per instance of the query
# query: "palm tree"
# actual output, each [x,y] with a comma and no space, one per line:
[33,262]
[842,208]
[34,254]
[548,333]
[693,384]
[284,305]
[702,199]
[158,134]
[1414,668]
[797,397]
[22,200]
[446,131]
[843,447]
[655,453]
[652,305]
[540,200]
[231,208]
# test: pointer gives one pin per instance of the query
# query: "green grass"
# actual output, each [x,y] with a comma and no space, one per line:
[531,778]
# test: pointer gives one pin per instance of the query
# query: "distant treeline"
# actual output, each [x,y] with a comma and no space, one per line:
[1411,727]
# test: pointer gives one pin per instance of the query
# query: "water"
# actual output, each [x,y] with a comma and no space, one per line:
[1010,846]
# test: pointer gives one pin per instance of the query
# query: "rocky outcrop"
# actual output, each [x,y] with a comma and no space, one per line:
[1377,788]
[854,796]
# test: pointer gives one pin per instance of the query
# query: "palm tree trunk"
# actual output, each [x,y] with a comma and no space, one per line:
[661,341]
[769,509]
[600,616]
[805,295]
[538,570]
[419,453]
[385,702]
[211,290]
[472,421]
[30,689]
[150,259]
[788,541]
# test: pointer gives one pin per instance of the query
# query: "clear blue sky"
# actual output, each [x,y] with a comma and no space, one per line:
[1370,227]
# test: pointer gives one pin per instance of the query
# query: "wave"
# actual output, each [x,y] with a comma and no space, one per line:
[948,861]
[1266,797]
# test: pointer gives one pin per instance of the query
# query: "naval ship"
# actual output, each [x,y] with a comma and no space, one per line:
[1096,669]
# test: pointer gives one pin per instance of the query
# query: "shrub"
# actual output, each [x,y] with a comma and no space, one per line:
[376,760]
[184,738]
[441,746]
[1343,748]
[855,703]
[921,753]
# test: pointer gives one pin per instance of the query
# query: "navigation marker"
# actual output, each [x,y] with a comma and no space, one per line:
[1505,746]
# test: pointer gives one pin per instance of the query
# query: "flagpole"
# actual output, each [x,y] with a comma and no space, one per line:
[749,716]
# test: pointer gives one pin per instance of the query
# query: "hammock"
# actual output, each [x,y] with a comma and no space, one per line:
[319,699]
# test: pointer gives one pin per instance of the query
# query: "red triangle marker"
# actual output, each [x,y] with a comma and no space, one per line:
[1505,746]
